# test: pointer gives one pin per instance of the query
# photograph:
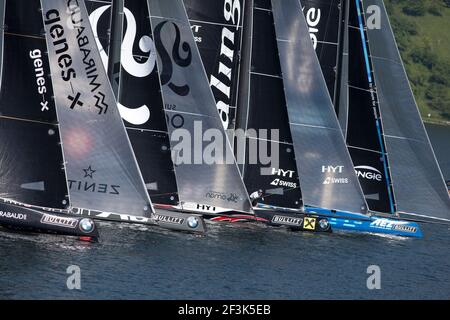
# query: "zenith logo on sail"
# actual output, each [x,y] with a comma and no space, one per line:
[89,186]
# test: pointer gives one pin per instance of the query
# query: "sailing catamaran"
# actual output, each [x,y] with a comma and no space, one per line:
[33,185]
[387,140]
[172,94]
[103,174]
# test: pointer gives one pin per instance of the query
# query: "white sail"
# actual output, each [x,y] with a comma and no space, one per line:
[101,167]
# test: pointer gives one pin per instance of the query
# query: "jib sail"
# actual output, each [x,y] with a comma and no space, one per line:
[101,167]
[204,176]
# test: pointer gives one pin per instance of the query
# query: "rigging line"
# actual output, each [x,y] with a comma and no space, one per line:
[378,124]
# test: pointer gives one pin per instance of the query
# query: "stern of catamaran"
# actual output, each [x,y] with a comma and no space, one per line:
[359,222]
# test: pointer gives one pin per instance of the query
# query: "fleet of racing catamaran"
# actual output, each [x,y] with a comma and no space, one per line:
[294,113]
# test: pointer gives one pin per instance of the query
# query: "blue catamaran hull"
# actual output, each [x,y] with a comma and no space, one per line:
[346,221]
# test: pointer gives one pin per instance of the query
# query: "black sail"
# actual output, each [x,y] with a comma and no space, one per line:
[31,159]
[139,94]
[322,17]
[364,130]
[262,105]
[217,27]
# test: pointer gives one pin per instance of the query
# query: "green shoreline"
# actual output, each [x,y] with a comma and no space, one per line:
[437,122]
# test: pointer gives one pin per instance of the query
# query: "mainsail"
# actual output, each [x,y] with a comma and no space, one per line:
[31,160]
[102,171]
[326,172]
[135,73]
[262,106]
[190,108]
[418,183]
[217,28]
[359,113]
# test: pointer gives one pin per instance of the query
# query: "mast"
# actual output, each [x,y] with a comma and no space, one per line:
[341,93]
[116,30]
[326,172]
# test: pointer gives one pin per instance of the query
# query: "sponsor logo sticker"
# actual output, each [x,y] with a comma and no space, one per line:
[59,221]
[310,224]
[287,220]
[169,219]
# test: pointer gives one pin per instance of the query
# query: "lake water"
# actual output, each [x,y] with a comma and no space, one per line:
[247,261]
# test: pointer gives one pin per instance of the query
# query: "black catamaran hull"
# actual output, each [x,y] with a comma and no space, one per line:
[21,218]
[176,221]
[271,216]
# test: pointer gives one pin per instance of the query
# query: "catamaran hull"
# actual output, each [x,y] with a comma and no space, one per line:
[176,221]
[294,221]
[23,219]
[355,223]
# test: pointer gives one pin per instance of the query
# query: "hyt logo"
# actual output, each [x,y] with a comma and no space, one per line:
[283,173]
[332,169]
[196,28]
[74,280]
[374,280]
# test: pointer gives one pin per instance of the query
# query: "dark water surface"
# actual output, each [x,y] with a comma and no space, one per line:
[231,262]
